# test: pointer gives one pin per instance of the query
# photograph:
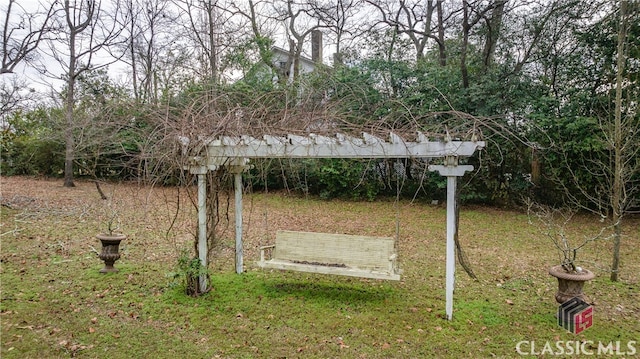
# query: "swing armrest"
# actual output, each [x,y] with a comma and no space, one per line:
[392,262]
[262,250]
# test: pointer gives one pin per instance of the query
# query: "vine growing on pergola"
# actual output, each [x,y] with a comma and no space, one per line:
[219,137]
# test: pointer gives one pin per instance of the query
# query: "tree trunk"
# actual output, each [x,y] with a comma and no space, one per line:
[618,170]
[68,134]
[493,33]
[134,70]
[441,46]
[69,148]
[213,59]
[465,41]
[69,153]
[264,47]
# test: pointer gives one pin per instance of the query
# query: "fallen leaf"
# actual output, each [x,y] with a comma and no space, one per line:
[341,343]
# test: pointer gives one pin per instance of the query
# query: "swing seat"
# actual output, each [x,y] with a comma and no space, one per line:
[338,254]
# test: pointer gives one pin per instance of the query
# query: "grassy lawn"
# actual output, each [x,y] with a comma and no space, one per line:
[55,304]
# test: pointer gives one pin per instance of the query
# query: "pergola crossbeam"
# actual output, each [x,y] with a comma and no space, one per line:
[341,146]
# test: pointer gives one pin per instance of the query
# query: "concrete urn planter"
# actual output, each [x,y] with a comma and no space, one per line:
[110,250]
[570,284]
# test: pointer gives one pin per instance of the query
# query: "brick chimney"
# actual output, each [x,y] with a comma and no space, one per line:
[316,46]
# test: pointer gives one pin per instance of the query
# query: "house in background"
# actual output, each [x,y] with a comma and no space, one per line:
[285,60]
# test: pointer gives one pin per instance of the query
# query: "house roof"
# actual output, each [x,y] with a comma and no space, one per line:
[281,51]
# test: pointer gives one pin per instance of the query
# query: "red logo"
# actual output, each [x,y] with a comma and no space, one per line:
[584,319]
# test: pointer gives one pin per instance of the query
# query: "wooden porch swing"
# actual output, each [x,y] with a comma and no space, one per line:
[360,256]
[329,253]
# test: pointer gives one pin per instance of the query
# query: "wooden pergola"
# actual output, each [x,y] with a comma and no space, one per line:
[235,152]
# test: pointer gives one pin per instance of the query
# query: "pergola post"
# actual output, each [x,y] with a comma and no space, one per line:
[202,228]
[452,171]
[237,166]
[451,246]
[238,213]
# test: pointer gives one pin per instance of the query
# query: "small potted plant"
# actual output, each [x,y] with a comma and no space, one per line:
[571,277]
[111,238]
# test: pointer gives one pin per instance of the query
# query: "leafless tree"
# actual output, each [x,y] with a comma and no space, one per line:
[22,33]
[299,23]
[614,169]
[151,38]
[413,19]
[132,28]
[340,18]
[623,139]
[14,95]
[85,30]
[473,12]
[209,25]
[260,19]
[553,224]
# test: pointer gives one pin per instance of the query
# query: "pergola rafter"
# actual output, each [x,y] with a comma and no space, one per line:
[235,152]
[340,146]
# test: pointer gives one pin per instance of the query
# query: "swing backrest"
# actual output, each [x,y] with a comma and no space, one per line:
[337,250]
